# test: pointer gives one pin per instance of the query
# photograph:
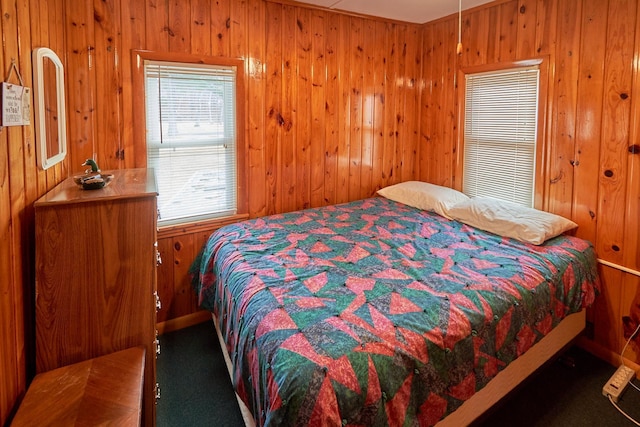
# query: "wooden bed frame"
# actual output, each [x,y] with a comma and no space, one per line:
[503,383]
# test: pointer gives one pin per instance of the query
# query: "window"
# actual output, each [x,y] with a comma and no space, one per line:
[191,138]
[500,134]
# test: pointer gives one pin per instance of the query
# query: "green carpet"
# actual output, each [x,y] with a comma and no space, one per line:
[194,383]
[196,390]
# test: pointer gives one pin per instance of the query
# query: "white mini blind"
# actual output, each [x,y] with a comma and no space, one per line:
[191,139]
[500,131]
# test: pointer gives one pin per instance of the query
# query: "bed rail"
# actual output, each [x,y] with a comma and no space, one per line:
[619,267]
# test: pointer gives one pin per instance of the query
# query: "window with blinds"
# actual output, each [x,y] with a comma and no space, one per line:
[500,132]
[191,139]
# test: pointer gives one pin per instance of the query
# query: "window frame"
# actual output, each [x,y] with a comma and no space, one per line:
[541,151]
[139,128]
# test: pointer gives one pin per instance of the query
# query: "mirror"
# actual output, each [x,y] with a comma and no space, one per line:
[51,127]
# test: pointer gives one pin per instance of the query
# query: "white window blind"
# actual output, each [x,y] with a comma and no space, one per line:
[500,129]
[191,139]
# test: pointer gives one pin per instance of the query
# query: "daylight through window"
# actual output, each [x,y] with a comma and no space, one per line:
[191,139]
[500,132]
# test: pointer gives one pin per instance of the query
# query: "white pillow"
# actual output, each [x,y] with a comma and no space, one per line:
[423,195]
[510,220]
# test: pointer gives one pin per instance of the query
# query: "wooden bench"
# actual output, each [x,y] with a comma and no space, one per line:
[106,390]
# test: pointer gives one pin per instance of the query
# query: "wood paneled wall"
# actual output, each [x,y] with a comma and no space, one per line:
[24,25]
[332,101]
[332,107]
[337,106]
[347,84]
[592,124]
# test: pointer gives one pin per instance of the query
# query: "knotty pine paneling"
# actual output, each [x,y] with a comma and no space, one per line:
[511,15]
[563,125]
[590,166]
[630,297]
[107,22]
[631,242]
[337,106]
[177,254]
[525,44]
[376,102]
[81,85]
[333,131]
[589,115]
[390,120]
[256,97]
[133,36]
[344,110]
[322,99]
[274,120]
[615,131]
[12,194]
[317,124]
[607,312]
[24,25]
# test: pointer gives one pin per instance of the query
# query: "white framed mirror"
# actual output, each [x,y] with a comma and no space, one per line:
[50,113]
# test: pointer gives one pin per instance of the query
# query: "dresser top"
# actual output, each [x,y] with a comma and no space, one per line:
[126,183]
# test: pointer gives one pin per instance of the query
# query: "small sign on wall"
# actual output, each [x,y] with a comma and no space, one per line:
[16,105]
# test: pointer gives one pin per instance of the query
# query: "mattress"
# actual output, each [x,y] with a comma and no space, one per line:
[376,313]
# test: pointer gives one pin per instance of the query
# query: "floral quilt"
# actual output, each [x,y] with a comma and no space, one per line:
[376,313]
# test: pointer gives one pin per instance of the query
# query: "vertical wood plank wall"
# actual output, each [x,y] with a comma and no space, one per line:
[24,26]
[593,157]
[321,99]
[337,106]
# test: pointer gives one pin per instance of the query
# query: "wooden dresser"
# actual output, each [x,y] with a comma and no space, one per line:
[96,274]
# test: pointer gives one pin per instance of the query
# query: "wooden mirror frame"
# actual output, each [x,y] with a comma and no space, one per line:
[51,123]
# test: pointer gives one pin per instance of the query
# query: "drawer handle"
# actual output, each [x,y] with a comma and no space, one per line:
[158,303]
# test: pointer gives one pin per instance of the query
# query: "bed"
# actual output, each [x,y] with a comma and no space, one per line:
[378,313]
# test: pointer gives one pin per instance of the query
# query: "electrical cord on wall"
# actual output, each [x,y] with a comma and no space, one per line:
[625,348]
[630,382]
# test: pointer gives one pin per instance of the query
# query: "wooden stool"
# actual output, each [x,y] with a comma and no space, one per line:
[106,390]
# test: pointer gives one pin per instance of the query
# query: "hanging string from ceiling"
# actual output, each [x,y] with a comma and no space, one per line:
[459,48]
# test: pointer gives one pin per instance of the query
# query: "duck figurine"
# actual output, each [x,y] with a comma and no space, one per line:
[92,179]
[93,167]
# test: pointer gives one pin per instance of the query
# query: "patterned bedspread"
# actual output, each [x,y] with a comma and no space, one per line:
[376,313]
